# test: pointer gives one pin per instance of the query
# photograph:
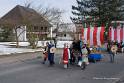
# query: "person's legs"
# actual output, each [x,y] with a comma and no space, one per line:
[110,57]
[73,59]
[122,49]
[83,66]
[44,60]
[52,59]
[65,66]
[49,58]
[113,55]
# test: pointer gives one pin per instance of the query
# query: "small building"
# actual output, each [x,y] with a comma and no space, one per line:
[26,20]
[65,32]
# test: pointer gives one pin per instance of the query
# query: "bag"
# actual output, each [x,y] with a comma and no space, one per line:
[80,63]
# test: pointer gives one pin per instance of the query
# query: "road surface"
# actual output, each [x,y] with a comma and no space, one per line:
[31,70]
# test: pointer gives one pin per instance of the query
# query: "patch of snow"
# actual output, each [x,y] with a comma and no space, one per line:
[6,47]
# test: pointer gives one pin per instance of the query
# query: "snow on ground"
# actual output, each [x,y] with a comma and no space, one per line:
[9,47]
[6,48]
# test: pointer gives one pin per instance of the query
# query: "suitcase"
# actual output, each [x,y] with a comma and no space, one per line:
[94,57]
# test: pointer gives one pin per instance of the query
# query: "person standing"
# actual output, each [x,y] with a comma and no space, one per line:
[113,52]
[122,46]
[84,57]
[69,53]
[45,53]
[65,56]
[51,51]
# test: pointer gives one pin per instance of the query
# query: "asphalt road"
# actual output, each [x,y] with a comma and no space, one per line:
[33,71]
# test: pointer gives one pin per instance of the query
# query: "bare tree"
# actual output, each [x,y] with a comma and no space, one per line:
[17,35]
[51,14]
[32,37]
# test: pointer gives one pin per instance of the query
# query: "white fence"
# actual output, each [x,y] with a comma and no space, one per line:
[60,44]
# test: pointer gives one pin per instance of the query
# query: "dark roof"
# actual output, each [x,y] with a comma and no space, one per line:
[23,16]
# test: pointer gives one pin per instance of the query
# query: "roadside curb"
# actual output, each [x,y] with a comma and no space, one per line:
[18,53]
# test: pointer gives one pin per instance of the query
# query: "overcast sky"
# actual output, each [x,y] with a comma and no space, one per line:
[7,5]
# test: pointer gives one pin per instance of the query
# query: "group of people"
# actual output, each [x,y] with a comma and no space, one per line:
[49,53]
[77,53]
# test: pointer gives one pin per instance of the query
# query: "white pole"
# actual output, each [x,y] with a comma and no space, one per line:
[51,34]
[25,37]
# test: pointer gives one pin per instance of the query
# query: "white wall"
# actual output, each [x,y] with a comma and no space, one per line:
[22,32]
[60,44]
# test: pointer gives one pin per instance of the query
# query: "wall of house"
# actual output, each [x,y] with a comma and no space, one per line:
[21,33]
[65,37]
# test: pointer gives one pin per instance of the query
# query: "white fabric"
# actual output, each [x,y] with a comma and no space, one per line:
[91,36]
[118,34]
[98,36]
[69,56]
[85,35]
[112,34]
[80,63]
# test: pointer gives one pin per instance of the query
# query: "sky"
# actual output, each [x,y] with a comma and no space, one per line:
[7,5]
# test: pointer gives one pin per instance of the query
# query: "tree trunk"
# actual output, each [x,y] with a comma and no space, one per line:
[17,41]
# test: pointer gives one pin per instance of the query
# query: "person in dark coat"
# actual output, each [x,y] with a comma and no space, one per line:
[51,51]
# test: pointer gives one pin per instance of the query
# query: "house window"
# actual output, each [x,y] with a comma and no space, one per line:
[44,29]
[41,28]
[64,35]
[36,28]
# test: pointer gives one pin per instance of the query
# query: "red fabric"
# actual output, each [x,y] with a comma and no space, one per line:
[102,34]
[94,36]
[82,32]
[109,37]
[65,56]
[115,34]
[88,34]
[121,34]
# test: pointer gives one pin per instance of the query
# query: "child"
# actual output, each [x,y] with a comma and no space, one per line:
[45,53]
[84,57]
[65,56]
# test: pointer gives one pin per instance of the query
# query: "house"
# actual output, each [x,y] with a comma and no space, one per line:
[26,20]
[64,31]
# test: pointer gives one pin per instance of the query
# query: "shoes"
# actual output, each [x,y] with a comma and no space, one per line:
[82,68]
[50,65]
[43,62]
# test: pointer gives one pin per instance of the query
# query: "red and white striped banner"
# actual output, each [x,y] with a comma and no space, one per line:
[93,35]
[116,34]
